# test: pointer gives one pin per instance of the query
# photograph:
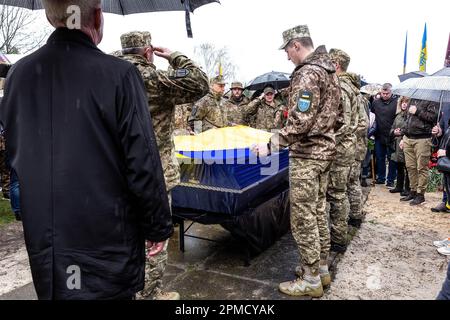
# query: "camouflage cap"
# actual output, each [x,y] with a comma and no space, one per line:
[269,90]
[136,39]
[296,32]
[237,85]
[340,56]
[218,80]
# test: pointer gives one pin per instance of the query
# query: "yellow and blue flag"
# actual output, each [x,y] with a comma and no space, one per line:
[423,52]
[406,54]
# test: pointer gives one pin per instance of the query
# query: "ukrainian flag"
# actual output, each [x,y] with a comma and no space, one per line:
[423,52]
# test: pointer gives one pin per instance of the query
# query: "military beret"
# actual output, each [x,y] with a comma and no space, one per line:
[136,39]
[296,32]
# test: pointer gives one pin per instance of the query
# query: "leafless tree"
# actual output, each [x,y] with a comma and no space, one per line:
[211,59]
[19,30]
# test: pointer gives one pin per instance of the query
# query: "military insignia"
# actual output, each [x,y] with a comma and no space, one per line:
[304,101]
[179,73]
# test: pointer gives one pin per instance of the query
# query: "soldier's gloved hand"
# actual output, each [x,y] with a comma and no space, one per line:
[162,52]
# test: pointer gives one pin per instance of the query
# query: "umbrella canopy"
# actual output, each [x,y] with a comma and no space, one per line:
[414,74]
[432,88]
[278,80]
[445,72]
[125,7]
[372,89]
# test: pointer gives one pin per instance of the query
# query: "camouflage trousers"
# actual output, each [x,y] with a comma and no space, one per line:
[309,223]
[5,172]
[154,271]
[354,191]
[339,204]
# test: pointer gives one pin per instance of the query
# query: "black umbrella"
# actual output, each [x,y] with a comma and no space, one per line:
[413,74]
[277,80]
[125,7]
[443,72]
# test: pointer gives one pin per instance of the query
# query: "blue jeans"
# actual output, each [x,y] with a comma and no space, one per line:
[381,153]
[14,192]
[445,292]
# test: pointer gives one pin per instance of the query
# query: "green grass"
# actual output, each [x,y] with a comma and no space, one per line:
[6,214]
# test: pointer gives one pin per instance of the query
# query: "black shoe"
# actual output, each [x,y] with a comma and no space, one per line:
[6,195]
[364,183]
[18,216]
[396,190]
[379,182]
[390,185]
[409,197]
[405,193]
[355,222]
[441,207]
[339,248]
[420,198]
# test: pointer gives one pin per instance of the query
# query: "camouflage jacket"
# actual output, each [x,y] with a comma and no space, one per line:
[186,83]
[267,117]
[361,130]
[211,111]
[313,109]
[235,109]
[346,135]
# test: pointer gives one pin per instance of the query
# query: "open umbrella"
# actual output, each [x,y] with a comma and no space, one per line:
[125,7]
[445,72]
[413,74]
[277,80]
[432,88]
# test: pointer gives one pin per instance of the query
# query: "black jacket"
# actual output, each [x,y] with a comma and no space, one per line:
[91,184]
[420,125]
[385,112]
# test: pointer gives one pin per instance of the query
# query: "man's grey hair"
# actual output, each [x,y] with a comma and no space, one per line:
[58,11]
[387,87]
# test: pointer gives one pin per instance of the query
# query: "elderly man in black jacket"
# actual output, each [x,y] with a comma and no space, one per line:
[385,109]
[416,144]
[81,141]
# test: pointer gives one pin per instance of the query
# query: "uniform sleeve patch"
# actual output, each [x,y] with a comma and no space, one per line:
[179,73]
[304,101]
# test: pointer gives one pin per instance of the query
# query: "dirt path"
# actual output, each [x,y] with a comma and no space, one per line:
[393,257]
[14,265]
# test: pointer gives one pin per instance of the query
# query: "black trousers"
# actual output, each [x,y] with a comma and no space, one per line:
[402,177]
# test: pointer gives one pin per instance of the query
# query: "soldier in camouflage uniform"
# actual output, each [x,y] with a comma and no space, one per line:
[210,112]
[345,147]
[236,103]
[268,111]
[313,102]
[185,83]
[354,191]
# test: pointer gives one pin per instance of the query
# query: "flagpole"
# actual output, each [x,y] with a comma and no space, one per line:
[406,53]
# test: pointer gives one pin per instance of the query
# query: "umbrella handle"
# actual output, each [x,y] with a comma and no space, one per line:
[187,8]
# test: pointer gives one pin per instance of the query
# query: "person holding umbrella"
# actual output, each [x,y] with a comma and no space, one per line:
[80,138]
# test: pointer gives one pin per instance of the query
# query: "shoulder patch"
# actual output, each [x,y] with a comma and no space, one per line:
[304,101]
[179,73]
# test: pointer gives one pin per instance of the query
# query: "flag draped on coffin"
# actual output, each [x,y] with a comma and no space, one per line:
[423,52]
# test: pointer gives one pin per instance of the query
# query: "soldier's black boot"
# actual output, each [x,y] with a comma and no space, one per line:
[339,248]
[410,197]
[420,198]
[355,222]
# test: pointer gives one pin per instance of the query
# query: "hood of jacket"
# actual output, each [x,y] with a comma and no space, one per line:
[319,58]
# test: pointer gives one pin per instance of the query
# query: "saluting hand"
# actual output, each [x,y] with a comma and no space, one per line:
[162,52]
